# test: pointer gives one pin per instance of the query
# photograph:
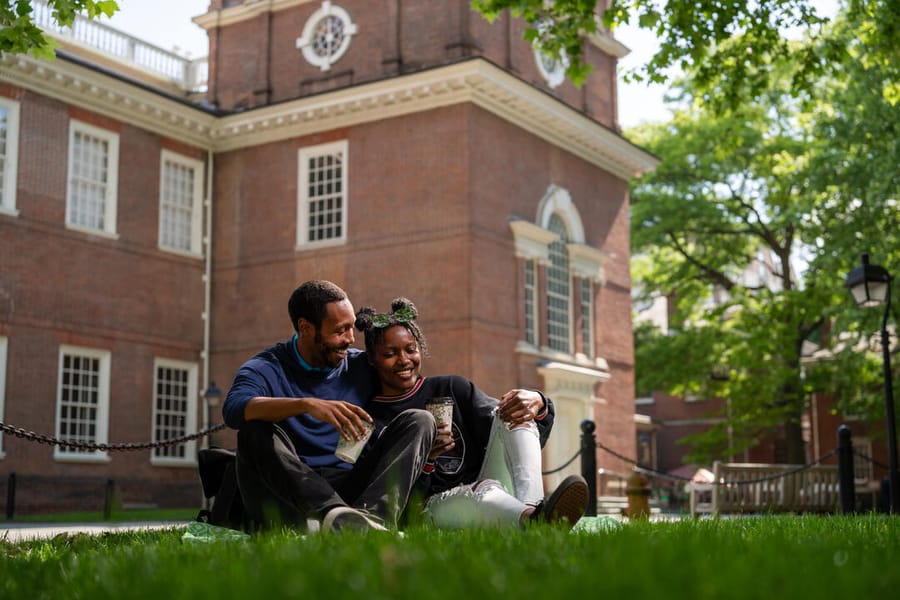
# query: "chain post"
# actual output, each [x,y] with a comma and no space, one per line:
[589,464]
[845,470]
[11,496]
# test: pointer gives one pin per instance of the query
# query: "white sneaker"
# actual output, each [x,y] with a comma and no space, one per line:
[345,518]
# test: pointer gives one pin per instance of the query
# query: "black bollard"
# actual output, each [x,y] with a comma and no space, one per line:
[11,497]
[108,499]
[845,471]
[589,464]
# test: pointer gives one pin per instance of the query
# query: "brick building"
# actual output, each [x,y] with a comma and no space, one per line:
[151,230]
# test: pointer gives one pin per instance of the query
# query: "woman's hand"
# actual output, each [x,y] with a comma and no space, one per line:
[519,406]
[443,442]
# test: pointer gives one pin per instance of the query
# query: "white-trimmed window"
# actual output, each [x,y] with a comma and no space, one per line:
[9,154]
[92,179]
[180,203]
[174,410]
[552,69]
[587,317]
[3,348]
[326,35]
[531,302]
[82,407]
[558,289]
[862,460]
[322,195]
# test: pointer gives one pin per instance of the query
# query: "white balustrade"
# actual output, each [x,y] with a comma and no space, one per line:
[191,75]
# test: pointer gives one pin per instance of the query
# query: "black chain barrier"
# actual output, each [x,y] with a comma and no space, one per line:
[40,438]
[563,466]
[870,459]
[661,475]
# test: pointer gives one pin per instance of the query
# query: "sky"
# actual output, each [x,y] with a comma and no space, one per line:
[167,23]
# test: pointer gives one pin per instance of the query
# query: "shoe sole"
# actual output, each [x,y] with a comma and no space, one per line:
[569,502]
[358,521]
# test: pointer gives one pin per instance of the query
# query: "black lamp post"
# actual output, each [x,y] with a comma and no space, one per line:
[212,396]
[871,286]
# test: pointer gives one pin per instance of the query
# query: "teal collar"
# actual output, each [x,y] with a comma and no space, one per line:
[303,364]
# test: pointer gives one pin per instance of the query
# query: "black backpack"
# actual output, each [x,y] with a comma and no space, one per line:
[218,477]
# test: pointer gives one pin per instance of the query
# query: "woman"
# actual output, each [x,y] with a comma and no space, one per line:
[485,469]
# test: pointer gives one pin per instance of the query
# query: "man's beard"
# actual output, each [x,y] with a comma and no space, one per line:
[327,351]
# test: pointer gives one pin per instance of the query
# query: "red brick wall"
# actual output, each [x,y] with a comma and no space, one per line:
[256,61]
[118,294]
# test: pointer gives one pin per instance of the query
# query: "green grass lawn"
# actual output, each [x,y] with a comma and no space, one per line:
[765,557]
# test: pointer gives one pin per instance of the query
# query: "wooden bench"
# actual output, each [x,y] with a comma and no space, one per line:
[760,488]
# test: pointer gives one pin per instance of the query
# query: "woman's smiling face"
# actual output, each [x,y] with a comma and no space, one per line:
[397,360]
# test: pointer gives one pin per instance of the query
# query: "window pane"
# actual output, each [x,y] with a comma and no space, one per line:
[80,399]
[89,181]
[558,289]
[171,410]
[176,210]
[324,197]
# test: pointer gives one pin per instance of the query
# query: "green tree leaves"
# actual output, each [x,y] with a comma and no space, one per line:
[20,34]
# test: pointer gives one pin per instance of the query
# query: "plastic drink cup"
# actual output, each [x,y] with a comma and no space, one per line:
[441,408]
[349,450]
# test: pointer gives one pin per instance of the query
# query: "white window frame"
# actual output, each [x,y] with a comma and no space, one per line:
[11,164]
[304,155]
[307,40]
[532,318]
[552,339]
[586,298]
[196,216]
[4,346]
[112,182]
[862,460]
[555,73]
[102,418]
[190,417]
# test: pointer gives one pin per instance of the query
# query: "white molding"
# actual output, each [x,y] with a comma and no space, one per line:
[587,262]
[558,200]
[242,12]
[605,41]
[11,165]
[101,94]
[477,81]
[532,242]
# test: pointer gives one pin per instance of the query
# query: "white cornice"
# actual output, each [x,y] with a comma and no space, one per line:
[242,12]
[97,92]
[605,41]
[476,81]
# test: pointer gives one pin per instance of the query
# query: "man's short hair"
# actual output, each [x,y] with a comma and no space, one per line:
[310,300]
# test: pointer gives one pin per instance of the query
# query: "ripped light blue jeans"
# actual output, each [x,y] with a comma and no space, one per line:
[509,482]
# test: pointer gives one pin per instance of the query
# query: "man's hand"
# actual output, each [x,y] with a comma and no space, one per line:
[347,418]
[519,406]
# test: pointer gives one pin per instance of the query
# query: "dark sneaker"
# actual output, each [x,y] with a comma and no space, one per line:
[344,518]
[566,505]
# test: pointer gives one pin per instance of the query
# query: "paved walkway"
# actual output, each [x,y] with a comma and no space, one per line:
[19,532]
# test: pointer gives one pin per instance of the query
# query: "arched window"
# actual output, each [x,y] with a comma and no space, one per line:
[558,288]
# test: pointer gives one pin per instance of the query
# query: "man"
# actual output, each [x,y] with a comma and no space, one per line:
[288,404]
